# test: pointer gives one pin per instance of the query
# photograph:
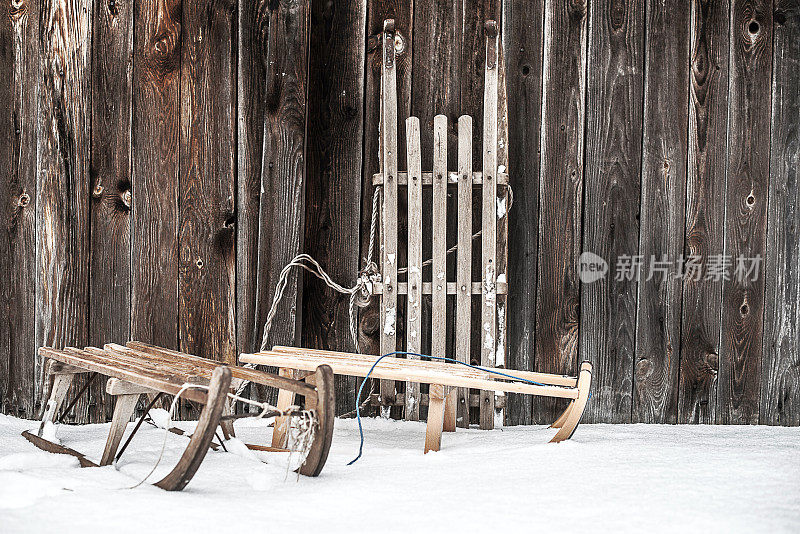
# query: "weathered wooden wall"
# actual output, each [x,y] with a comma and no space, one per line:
[161,160]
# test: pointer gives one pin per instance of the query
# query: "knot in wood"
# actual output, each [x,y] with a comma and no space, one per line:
[24,200]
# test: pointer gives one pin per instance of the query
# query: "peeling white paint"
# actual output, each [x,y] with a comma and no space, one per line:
[390,258]
[391,317]
[501,278]
[501,168]
[501,208]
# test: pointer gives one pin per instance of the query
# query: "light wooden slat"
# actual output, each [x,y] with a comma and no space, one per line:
[452,288]
[453,177]
[388,313]
[433,430]
[489,221]
[439,229]
[543,378]
[407,372]
[124,406]
[502,229]
[414,285]
[464,261]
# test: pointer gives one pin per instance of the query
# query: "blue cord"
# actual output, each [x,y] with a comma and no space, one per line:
[360,389]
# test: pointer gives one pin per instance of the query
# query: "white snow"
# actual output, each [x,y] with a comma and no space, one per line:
[391,318]
[620,478]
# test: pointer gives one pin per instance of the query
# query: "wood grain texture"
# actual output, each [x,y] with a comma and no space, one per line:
[19,64]
[522,42]
[780,372]
[334,165]
[749,102]
[560,192]
[207,273]
[705,208]
[377,12]
[110,278]
[283,169]
[155,212]
[613,155]
[63,155]
[251,78]
[661,236]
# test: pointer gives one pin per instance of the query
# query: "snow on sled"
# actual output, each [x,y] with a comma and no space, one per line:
[140,369]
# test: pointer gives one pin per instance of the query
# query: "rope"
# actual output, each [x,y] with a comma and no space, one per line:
[441,358]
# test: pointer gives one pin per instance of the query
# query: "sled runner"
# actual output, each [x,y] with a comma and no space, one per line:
[404,288]
[138,368]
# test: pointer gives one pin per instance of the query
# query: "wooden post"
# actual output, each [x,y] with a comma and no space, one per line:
[439,229]
[464,262]
[388,324]
[414,300]
[285,399]
[433,430]
[123,409]
[489,222]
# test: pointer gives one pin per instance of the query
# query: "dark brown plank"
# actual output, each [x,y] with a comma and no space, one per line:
[19,65]
[705,208]
[522,37]
[664,148]
[749,104]
[561,192]
[333,163]
[154,215]
[377,12]
[64,149]
[207,322]
[110,280]
[283,166]
[252,35]
[613,155]
[780,381]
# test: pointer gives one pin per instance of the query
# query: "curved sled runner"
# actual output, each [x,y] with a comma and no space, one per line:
[138,368]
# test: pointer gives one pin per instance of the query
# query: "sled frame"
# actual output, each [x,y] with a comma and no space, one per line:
[140,369]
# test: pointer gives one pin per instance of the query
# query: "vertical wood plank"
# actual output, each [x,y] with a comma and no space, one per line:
[522,43]
[749,103]
[439,231]
[63,155]
[283,168]
[503,200]
[664,153]
[464,262]
[333,159]
[110,279]
[705,209]
[253,31]
[20,391]
[207,321]
[780,383]
[560,193]
[154,215]
[388,316]
[489,221]
[402,14]
[414,299]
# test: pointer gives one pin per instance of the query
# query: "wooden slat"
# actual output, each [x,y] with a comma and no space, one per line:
[746,209]
[207,275]
[20,377]
[522,38]
[489,221]
[63,173]
[464,262]
[333,159]
[427,288]
[414,285]
[780,380]
[664,150]
[561,192]
[110,282]
[453,177]
[154,209]
[407,372]
[705,210]
[388,316]
[253,33]
[439,231]
[283,172]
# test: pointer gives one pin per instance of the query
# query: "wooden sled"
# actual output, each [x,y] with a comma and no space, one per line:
[138,368]
[449,397]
